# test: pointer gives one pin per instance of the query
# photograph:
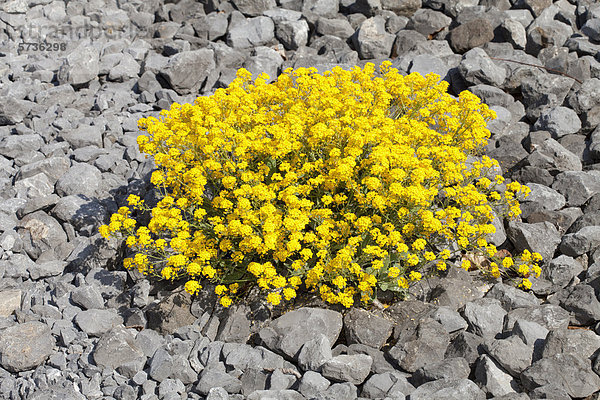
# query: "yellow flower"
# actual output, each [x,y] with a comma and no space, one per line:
[192,287]
[414,276]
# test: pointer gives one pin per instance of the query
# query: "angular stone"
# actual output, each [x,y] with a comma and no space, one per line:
[25,346]
[292,34]
[586,97]
[476,68]
[243,356]
[40,232]
[449,368]
[83,136]
[117,348]
[97,322]
[581,302]
[254,8]
[346,368]
[52,167]
[87,297]
[81,178]
[315,353]
[540,237]
[554,157]
[252,32]
[187,71]
[215,377]
[427,345]
[427,21]
[564,370]
[550,316]
[10,301]
[511,297]
[46,269]
[485,317]
[463,389]
[80,66]
[583,241]
[372,40]
[361,326]
[471,34]
[171,313]
[577,186]
[511,353]
[13,145]
[582,343]
[450,319]
[493,378]
[288,333]
[312,383]
[559,121]
[236,326]
[545,197]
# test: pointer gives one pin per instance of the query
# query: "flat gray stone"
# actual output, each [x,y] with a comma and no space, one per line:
[361,326]
[348,368]
[25,346]
[444,389]
[117,348]
[97,322]
[289,332]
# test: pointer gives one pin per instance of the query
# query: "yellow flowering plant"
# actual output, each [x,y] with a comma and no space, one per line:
[343,183]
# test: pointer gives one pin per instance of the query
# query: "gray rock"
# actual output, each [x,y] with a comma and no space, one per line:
[580,342]
[450,319]
[25,346]
[372,40]
[46,269]
[552,156]
[485,317]
[465,345]
[510,353]
[513,32]
[361,326]
[215,377]
[404,8]
[550,316]
[13,111]
[426,345]
[348,368]
[127,68]
[212,26]
[425,64]
[577,186]
[87,297]
[79,179]
[292,34]
[13,145]
[254,8]
[80,66]
[109,283]
[463,389]
[586,97]
[312,383]
[541,34]
[581,302]
[315,353]
[540,237]
[341,391]
[117,348]
[336,27]
[559,121]
[449,368]
[583,241]
[427,21]
[471,34]
[84,214]
[236,325]
[40,232]
[561,270]
[476,68]
[160,365]
[264,60]
[511,297]
[275,394]
[171,313]
[323,8]
[542,91]
[97,322]
[289,332]
[252,32]
[545,197]
[563,370]
[493,378]
[243,356]
[10,300]
[187,71]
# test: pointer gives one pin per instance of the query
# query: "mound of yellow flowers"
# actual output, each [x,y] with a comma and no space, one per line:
[343,183]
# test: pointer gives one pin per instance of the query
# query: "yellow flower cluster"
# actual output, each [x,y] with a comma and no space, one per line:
[345,182]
